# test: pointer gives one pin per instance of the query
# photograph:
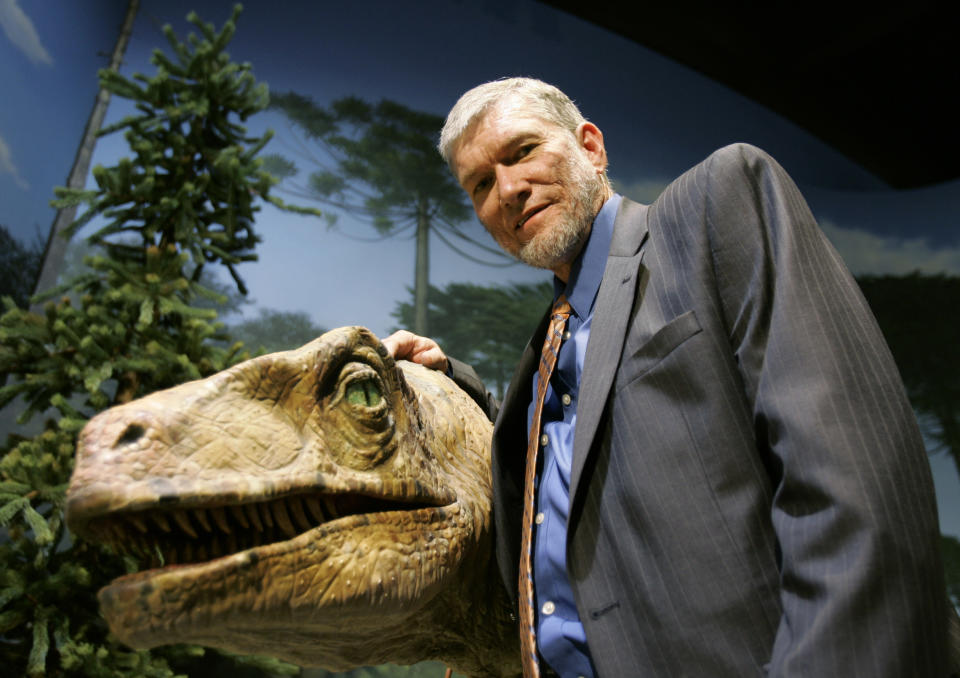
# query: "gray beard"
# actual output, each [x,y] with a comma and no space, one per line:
[560,244]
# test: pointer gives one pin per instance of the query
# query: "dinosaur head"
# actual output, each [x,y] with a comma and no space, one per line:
[324,505]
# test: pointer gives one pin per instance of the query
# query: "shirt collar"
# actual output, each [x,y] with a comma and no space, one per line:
[587,270]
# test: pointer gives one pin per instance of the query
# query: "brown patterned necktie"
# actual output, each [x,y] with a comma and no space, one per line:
[548,360]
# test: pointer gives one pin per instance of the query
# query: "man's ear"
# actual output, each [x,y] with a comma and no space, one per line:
[590,139]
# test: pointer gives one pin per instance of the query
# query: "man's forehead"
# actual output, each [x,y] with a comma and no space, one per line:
[499,127]
[509,117]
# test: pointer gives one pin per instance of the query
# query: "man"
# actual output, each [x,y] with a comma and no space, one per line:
[730,481]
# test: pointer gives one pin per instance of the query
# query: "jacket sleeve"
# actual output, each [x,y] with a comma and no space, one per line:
[854,513]
[466,378]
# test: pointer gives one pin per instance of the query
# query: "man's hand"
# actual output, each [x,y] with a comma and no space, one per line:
[404,345]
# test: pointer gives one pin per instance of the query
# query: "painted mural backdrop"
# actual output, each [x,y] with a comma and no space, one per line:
[396,244]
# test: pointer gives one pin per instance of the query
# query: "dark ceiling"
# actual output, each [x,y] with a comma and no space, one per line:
[880,86]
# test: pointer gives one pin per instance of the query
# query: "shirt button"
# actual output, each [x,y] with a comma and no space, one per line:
[539,518]
[566,399]
[544,440]
[548,607]
[566,335]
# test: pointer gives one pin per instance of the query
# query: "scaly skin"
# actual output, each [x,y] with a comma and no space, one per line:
[325,505]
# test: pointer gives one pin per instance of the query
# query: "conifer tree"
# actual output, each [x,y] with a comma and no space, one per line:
[379,163]
[485,325]
[131,324]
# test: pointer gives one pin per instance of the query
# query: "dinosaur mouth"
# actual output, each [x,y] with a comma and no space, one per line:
[161,536]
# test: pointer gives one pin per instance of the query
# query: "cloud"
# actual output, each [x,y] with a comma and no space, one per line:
[19,29]
[7,166]
[866,253]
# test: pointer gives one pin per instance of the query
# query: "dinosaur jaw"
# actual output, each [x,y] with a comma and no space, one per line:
[321,585]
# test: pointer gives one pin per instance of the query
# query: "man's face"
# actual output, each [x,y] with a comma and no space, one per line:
[535,186]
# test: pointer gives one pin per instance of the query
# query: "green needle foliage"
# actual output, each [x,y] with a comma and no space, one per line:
[133,323]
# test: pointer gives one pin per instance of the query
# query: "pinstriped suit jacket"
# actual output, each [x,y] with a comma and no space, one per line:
[749,494]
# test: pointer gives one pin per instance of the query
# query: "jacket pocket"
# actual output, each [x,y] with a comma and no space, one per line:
[663,342]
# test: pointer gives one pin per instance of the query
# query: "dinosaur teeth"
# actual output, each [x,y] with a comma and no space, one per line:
[120,535]
[316,510]
[331,508]
[240,516]
[283,518]
[139,523]
[254,516]
[201,517]
[220,518]
[266,515]
[161,521]
[183,521]
[159,537]
[296,510]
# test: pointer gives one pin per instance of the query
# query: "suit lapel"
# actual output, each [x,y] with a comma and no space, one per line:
[615,299]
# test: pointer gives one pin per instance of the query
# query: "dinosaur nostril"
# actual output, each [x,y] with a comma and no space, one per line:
[132,434]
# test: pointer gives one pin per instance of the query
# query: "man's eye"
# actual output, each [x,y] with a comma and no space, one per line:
[481,186]
[524,151]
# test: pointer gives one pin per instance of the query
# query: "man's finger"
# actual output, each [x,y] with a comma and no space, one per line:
[400,344]
[405,345]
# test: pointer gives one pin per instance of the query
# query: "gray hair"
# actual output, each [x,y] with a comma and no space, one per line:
[540,99]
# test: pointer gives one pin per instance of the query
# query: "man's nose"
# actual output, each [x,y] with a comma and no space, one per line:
[512,185]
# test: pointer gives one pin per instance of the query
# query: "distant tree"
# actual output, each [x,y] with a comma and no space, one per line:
[914,313]
[276,330]
[379,162]
[56,245]
[19,265]
[485,326]
[128,325]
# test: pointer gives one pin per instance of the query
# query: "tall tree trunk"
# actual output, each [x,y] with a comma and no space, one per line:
[56,247]
[421,284]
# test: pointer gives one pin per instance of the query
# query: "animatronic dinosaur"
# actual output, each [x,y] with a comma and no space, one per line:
[326,506]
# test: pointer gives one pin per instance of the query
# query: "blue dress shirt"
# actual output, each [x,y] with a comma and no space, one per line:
[560,635]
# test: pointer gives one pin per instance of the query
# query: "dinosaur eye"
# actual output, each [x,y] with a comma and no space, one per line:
[364,392]
[361,390]
[359,425]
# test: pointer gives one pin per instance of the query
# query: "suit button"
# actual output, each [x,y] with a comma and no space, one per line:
[544,440]
[538,519]
[566,399]
[548,607]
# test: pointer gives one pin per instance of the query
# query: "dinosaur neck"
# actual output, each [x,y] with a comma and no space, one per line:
[476,635]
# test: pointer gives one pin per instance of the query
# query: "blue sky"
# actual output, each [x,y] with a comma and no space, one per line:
[658,119]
